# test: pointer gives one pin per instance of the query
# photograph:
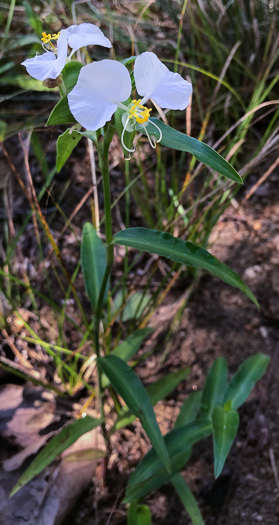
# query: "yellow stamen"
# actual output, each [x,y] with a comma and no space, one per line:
[139,112]
[48,37]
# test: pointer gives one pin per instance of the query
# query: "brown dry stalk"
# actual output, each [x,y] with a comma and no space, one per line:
[261,180]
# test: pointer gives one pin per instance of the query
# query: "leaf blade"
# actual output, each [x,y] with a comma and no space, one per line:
[179,141]
[187,499]
[150,472]
[131,389]
[241,384]
[66,143]
[184,252]
[215,385]
[93,263]
[66,437]
[224,425]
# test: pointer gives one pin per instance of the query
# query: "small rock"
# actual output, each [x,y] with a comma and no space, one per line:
[252,272]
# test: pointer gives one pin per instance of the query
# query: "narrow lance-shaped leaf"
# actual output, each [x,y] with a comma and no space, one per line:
[66,143]
[224,424]
[156,391]
[181,251]
[179,141]
[151,473]
[128,348]
[245,378]
[187,499]
[93,262]
[66,437]
[189,409]
[214,388]
[131,389]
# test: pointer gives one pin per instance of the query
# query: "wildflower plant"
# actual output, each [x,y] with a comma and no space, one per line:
[97,97]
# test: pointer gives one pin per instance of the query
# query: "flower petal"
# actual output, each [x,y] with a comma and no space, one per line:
[154,80]
[62,50]
[85,35]
[48,65]
[42,66]
[100,87]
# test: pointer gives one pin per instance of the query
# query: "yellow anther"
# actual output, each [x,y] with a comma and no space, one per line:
[55,36]
[139,112]
[47,38]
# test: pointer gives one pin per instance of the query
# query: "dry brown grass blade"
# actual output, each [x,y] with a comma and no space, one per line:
[261,180]
[36,205]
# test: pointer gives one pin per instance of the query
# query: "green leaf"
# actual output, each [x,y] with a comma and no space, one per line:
[128,348]
[61,114]
[166,384]
[181,251]
[224,424]
[156,391]
[66,143]
[187,499]
[131,389]
[245,378]
[189,409]
[151,473]
[179,141]
[93,263]
[138,514]
[214,388]
[66,437]
[135,306]
[70,74]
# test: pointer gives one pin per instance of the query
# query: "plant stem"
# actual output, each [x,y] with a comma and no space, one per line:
[103,151]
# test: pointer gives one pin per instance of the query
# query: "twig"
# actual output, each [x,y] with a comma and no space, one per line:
[274,467]
[261,180]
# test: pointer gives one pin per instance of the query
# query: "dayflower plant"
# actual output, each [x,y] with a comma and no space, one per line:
[103,86]
[51,63]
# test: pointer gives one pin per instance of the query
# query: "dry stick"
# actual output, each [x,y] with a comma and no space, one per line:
[9,341]
[261,180]
[274,467]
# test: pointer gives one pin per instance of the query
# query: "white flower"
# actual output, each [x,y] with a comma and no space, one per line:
[103,86]
[51,63]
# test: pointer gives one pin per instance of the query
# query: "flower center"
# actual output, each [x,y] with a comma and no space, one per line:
[139,112]
[47,38]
